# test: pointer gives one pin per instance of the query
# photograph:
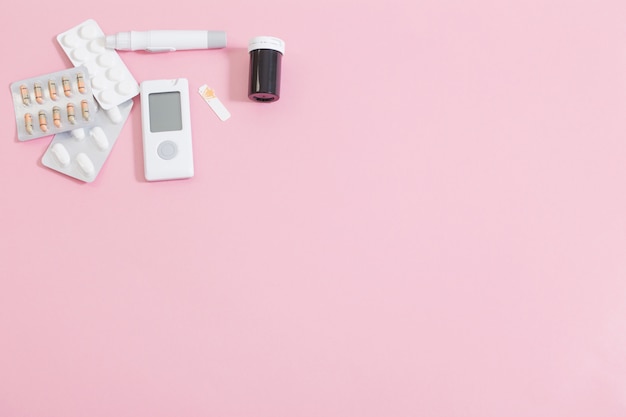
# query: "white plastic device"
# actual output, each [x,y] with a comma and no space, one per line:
[167,40]
[166,129]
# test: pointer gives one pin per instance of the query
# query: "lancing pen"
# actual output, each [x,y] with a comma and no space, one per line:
[167,40]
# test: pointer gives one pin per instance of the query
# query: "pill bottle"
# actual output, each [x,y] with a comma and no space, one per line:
[266,54]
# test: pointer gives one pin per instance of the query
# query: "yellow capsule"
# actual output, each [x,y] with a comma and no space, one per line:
[56,116]
[84,108]
[52,88]
[67,88]
[43,121]
[28,123]
[71,115]
[25,95]
[38,93]
[80,81]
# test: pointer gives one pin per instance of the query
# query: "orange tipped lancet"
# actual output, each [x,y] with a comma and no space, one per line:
[71,115]
[56,116]
[52,89]
[84,108]
[43,121]
[38,93]
[25,95]
[67,88]
[28,123]
[80,81]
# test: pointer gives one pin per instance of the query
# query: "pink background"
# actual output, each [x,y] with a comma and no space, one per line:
[430,222]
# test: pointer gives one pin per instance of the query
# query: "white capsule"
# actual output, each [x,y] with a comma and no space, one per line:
[85,164]
[78,134]
[60,154]
[100,138]
[114,114]
[107,96]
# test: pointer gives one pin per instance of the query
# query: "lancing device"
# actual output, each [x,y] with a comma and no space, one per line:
[167,40]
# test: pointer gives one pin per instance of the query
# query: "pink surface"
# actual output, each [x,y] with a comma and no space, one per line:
[430,222]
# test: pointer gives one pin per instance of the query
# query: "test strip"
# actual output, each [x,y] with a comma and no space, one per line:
[216,105]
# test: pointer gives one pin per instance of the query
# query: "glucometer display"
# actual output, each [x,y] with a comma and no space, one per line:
[165,112]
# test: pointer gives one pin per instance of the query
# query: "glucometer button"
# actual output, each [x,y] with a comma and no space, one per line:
[167,150]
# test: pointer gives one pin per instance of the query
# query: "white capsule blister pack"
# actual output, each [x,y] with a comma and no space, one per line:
[53,103]
[82,156]
[111,81]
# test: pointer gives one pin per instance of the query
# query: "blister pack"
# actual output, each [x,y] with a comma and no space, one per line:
[53,103]
[82,158]
[112,82]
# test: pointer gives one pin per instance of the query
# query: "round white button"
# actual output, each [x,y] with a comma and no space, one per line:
[167,150]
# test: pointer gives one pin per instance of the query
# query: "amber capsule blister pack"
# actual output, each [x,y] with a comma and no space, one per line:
[53,103]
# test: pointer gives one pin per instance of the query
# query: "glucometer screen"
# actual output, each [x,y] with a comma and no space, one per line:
[165,112]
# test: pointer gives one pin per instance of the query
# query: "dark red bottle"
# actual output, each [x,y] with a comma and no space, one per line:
[266,54]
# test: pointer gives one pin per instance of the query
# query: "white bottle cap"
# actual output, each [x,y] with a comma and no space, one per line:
[266,42]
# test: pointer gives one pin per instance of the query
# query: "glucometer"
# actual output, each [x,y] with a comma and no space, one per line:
[166,129]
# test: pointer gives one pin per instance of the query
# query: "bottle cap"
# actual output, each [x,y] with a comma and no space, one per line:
[266,42]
